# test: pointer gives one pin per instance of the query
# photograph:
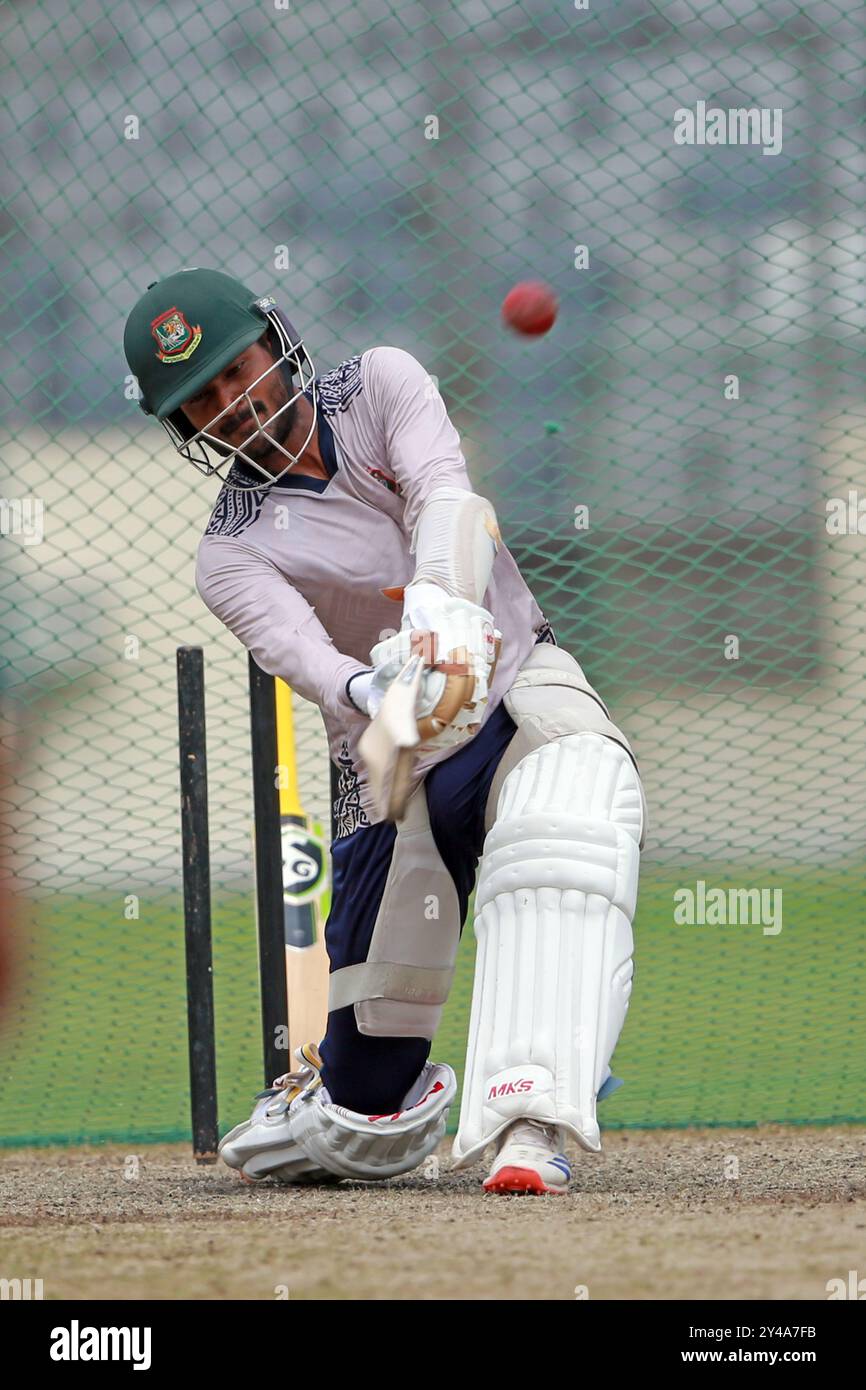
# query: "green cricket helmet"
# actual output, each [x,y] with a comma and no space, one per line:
[186,329]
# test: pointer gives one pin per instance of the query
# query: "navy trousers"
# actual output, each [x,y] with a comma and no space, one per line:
[372,1075]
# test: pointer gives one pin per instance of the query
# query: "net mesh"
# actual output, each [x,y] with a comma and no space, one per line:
[675,468]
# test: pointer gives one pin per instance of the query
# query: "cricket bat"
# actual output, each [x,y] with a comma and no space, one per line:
[388,743]
[305,881]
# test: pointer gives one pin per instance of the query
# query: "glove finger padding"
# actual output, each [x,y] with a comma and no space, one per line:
[457,675]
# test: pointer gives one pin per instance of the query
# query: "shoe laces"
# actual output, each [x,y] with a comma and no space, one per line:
[531,1131]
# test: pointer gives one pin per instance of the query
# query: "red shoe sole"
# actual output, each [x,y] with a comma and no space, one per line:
[520,1180]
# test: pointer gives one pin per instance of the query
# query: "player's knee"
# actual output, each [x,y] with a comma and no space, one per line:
[585,775]
[570,815]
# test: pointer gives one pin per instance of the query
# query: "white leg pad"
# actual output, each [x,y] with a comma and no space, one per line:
[553,911]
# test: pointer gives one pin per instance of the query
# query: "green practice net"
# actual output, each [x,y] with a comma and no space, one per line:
[675,466]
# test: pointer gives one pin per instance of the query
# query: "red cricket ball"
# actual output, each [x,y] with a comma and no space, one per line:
[530,308]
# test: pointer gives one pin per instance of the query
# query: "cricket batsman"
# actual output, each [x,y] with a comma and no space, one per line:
[348,552]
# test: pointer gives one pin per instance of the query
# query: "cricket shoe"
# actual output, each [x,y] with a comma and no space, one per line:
[261,1145]
[529,1159]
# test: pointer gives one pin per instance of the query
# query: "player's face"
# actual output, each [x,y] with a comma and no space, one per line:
[237,426]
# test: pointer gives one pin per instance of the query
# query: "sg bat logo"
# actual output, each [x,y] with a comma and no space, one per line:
[305,874]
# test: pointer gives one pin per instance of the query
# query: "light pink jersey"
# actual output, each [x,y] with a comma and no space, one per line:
[297,572]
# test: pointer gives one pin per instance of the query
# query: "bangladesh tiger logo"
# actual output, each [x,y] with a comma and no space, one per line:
[176,339]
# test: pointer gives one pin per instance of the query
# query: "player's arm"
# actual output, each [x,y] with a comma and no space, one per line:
[454,533]
[273,621]
[423,452]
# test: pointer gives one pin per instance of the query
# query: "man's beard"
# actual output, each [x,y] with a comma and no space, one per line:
[259,448]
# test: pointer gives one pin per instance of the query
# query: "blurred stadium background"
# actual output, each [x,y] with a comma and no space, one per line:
[261,128]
